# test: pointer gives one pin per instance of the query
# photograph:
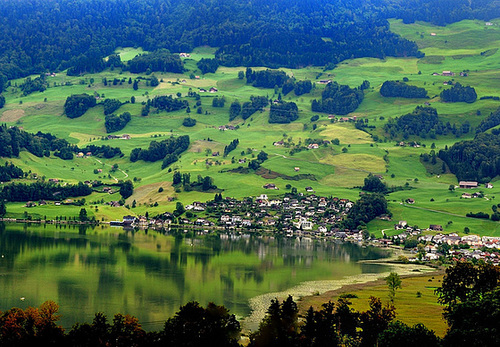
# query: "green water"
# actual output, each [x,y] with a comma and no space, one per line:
[149,275]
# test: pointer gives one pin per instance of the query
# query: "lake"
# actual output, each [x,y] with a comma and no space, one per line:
[150,275]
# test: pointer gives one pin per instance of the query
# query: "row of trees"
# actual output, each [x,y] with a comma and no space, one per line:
[202,184]
[299,87]
[232,146]
[43,191]
[470,293]
[13,141]
[489,122]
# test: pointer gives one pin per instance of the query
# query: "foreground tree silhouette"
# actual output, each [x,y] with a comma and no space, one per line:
[194,326]
[279,327]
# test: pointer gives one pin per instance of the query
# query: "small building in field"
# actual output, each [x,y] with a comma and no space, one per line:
[467,184]
[436,227]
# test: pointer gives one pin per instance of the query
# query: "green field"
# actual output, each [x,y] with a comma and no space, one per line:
[337,169]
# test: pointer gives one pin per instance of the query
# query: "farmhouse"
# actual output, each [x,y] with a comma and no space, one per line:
[270,186]
[467,184]
[436,227]
[448,73]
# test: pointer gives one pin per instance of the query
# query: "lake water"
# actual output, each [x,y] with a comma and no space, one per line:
[150,275]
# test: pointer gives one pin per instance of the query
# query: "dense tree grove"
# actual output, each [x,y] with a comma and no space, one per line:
[256,103]
[202,184]
[365,209]
[218,102]
[423,122]
[401,90]
[234,110]
[476,160]
[110,105]
[2,101]
[283,112]
[114,123]
[374,184]
[207,65]
[489,122]
[43,191]
[459,93]
[160,60]
[9,171]
[338,99]
[266,78]
[168,150]
[126,189]
[168,103]
[77,104]
[232,146]
[189,122]
[38,84]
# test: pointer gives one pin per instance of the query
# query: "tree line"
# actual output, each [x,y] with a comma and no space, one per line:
[43,191]
[13,141]
[183,180]
[470,294]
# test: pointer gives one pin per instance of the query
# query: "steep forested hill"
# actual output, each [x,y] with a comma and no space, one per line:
[45,35]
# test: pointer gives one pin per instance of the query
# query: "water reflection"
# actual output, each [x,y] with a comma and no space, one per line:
[151,274]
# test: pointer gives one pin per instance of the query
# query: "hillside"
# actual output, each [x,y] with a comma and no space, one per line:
[349,147]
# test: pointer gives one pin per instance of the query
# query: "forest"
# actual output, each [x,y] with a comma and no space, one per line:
[474,160]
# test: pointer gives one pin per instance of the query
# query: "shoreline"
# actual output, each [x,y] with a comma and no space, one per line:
[260,304]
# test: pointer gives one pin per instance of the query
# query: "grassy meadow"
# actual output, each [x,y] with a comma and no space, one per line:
[338,169]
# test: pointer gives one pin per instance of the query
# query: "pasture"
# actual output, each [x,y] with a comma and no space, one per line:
[337,169]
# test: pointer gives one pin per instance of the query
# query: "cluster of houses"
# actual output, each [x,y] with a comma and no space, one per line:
[119,137]
[227,127]
[184,55]
[211,90]
[295,216]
